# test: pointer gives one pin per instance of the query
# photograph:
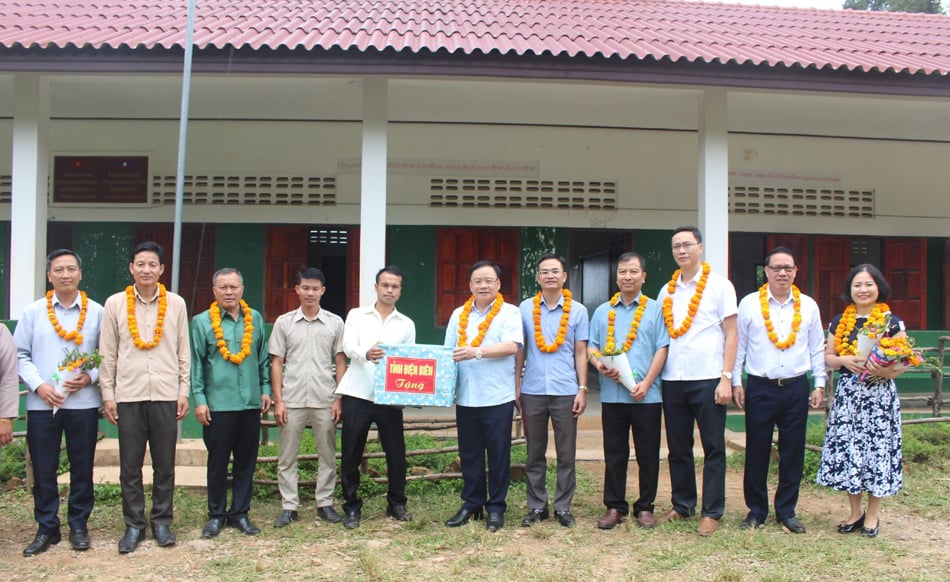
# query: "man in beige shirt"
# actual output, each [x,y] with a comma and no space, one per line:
[304,345]
[145,380]
[9,386]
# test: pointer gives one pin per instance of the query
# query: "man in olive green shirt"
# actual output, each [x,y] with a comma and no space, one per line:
[230,377]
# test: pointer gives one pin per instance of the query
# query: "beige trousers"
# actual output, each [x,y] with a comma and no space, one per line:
[324,432]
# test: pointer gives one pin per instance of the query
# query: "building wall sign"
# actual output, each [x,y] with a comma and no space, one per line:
[100,179]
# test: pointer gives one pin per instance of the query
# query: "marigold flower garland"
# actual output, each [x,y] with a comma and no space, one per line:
[676,332]
[562,326]
[246,339]
[75,335]
[875,321]
[482,327]
[610,344]
[159,323]
[796,317]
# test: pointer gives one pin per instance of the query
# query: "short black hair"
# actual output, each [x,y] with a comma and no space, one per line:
[481,264]
[779,251]
[883,287]
[61,253]
[226,271]
[549,256]
[632,255]
[311,273]
[392,270]
[696,232]
[149,247]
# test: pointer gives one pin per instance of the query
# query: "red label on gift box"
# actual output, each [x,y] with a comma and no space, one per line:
[413,375]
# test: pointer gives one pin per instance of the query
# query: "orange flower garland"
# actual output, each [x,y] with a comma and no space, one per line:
[562,326]
[676,332]
[159,323]
[610,344]
[482,327]
[75,335]
[796,317]
[875,320]
[215,312]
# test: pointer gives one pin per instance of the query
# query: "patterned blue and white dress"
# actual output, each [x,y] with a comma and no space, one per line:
[863,448]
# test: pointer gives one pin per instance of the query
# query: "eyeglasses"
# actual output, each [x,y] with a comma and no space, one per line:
[485,281]
[780,268]
[685,246]
[546,272]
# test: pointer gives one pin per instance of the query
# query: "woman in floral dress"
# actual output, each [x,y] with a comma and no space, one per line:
[862,451]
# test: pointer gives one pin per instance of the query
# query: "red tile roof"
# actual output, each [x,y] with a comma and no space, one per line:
[626,29]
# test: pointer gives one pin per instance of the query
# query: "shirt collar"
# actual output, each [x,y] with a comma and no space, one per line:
[76,302]
[300,315]
[619,300]
[768,291]
[142,299]
[560,301]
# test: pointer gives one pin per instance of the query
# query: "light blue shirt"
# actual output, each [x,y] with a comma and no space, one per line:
[40,350]
[651,337]
[489,381]
[552,374]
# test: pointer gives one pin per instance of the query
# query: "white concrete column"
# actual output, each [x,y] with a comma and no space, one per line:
[30,177]
[714,178]
[373,185]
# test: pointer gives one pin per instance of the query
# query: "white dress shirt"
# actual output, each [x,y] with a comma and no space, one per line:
[364,328]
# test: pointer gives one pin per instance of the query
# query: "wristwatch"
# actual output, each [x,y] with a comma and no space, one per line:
[478,354]
[582,388]
[727,376]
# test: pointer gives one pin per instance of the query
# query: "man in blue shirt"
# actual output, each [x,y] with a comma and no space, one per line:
[633,324]
[554,387]
[486,334]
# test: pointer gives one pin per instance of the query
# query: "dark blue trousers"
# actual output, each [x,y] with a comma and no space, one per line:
[358,416]
[231,433]
[44,437]
[768,406]
[485,431]
[618,421]
[683,404]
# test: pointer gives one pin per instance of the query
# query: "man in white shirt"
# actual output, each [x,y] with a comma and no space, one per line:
[699,308]
[365,329]
[780,339]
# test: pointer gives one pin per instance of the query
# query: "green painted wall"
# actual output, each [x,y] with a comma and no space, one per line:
[536,241]
[5,269]
[935,283]
[654,245]
[412,249]
[104,248]
[241,246]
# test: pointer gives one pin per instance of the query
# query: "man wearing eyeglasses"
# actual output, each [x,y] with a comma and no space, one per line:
[781,339]
[699,309]
[486,334]
[230,380]
[554,387]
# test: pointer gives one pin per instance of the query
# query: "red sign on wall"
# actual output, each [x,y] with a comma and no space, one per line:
[411,375]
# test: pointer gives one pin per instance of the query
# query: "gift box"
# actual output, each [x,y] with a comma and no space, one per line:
[415,375]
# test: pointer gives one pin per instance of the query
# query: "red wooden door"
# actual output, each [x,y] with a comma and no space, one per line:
[353,268]
[905,261]
[286,255]
[832,265]
[197,264]
[798,244]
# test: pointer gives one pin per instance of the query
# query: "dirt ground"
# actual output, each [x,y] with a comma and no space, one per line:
[333,557]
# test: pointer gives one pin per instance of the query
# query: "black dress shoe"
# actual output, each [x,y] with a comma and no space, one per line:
[495,521]
[41,543]
[79,539]
[398,512]
[846,528]
[286,516]
[352,519]
[535,515]
[213,527]
[244,525]
[464,516]
[870,532]
[565,518]
[163,536]
[131,540]
[793,525]
[751,523]
[327,513]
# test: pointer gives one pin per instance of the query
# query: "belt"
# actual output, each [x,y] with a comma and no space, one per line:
[778,381]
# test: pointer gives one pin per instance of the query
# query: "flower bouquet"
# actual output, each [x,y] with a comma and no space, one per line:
[869,336]
[74,364]
[616,360]
[889,351]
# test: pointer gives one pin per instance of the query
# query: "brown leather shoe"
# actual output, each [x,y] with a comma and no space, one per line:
[707,526]
[611,519]
[673,515]
[646,519]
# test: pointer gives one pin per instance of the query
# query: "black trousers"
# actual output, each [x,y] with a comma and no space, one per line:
[358,415]
[768,405]
[231,433]
[685,403]
[485,431]
[151,423]
[44,436]
[618,421]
